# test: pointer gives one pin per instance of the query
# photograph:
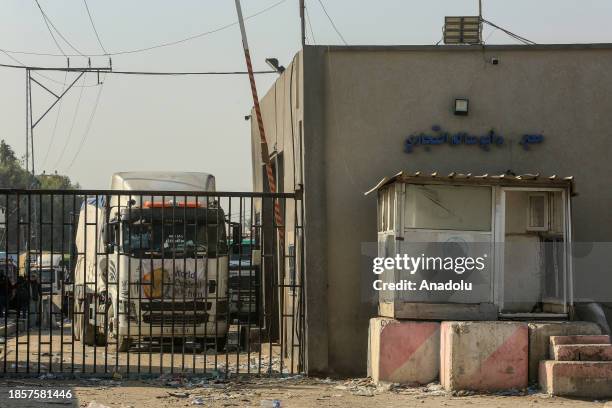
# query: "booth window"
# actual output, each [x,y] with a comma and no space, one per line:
[537,212]
[442,207]
[386,214]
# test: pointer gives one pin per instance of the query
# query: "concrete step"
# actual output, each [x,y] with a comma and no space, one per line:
[582,352]
[580,339]
[591,379]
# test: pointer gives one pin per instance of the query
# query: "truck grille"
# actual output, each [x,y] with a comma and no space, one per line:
[176,306]
[157,319]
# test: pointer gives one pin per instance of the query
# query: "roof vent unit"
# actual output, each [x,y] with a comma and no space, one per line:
[463,30]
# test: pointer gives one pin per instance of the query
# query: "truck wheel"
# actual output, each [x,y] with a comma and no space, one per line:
[123,343]
[88,331]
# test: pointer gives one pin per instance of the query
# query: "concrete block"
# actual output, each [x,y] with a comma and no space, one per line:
[591,379]
[582,352]
[483,356]
[581,339]
[539,340]
[405,352]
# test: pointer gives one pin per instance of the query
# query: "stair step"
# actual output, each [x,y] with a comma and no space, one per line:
[580,339]
[582,352]
[592,379]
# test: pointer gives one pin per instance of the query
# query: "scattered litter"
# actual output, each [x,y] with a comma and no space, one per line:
[363,392]
[270,404]
[47,376]
[463,393]
[434,389]
[197,401]
[117,376]
[178,394]
[511,392]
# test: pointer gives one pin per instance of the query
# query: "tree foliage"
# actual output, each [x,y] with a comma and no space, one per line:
[34,221]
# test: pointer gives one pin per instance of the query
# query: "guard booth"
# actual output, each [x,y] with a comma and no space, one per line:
[490,246]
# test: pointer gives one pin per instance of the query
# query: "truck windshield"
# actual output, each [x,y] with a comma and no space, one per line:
[178,237]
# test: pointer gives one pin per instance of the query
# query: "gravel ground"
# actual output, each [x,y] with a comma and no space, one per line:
[296,391]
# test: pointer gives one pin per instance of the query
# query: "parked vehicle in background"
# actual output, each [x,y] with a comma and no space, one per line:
[152,268]
[244,281]
[51,271]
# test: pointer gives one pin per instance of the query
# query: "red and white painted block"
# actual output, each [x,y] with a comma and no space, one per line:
[483,356]
[405,352]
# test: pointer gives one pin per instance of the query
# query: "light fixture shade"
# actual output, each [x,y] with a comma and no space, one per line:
[462,106]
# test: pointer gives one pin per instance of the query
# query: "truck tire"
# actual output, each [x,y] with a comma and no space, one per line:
[88,331]
[123,343]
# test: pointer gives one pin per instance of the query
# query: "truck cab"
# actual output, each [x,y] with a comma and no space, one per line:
[152,267]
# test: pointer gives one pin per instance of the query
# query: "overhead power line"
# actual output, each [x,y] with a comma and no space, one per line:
[47,19]
[154,73]
[88,127]
[76,112]
[42,13]
[314,41]
[93,26]
[59,109]
[332,23]
[152,47]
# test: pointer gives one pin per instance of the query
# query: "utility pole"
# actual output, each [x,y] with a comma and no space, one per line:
[303,25]
[30,122]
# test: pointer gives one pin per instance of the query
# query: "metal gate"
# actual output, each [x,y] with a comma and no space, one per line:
[150,282]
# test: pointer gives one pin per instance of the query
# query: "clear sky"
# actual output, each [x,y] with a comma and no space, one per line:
[197,123]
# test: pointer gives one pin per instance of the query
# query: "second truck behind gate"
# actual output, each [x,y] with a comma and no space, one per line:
[152,267]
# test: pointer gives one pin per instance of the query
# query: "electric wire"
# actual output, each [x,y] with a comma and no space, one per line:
[154,73]
[76,111]
[88,127]
[510,33]
[93,26]
[152,47]
[46,17]
[59,109]
[314,41]
[49,29]
[332,23]
[24,66]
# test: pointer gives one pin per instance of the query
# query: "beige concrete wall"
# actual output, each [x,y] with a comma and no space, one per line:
[360,104]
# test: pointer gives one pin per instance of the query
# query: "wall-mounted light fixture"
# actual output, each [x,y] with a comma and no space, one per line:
[273,63]
[247,117]
[462,106]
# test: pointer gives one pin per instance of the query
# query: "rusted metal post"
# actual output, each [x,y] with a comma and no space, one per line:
[265,154]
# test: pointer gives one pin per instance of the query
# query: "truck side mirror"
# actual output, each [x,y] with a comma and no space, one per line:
[110,235]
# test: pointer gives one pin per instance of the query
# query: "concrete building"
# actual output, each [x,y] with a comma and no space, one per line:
[339,119]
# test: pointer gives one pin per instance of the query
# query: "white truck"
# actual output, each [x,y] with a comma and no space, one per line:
[152,268]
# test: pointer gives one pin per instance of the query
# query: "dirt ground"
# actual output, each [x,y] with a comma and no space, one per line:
[296,391]
[97,390]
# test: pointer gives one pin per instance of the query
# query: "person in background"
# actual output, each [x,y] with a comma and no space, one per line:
[22,297]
